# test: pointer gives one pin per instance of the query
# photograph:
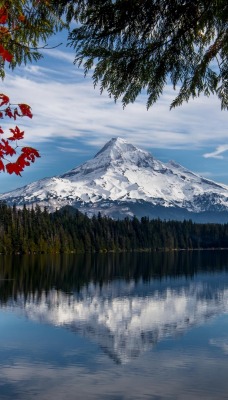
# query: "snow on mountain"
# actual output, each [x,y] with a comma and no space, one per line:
[124,180]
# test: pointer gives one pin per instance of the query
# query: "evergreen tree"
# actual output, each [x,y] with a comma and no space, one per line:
[143,44]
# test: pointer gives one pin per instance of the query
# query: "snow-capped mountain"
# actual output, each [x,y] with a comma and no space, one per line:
[124,180]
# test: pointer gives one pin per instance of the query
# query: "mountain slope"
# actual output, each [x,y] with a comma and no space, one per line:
[124,180]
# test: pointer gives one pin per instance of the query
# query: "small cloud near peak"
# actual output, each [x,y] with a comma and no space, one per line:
[218,152]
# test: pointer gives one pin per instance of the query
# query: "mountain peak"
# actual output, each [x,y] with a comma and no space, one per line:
[118,151]
[115,148]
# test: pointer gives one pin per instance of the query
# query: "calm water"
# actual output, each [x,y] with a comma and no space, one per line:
[114,327]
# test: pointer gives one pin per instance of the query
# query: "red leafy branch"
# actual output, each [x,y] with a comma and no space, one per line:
[3,15]
[4,53]
[27,155]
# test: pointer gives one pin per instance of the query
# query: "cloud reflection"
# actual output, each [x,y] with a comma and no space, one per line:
[126,326]
[221,344]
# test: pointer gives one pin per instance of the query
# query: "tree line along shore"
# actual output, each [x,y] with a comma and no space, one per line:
[28,231]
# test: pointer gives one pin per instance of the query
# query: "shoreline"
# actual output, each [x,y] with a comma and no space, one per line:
[160,250]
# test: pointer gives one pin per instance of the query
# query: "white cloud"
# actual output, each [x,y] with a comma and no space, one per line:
[70,108]
[218,152]
[66,106]
[71,150]
[221,344]
[60,54]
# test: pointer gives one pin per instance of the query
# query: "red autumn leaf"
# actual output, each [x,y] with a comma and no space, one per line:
[2,167]
[21,18]
[8,112]
[15,114]
[3,15]
[5,54]
[22,161]
[25,110]
[14,168]
[4,31]
[3,19]
[3,99]
[8,150]
[30,153]
[17,134]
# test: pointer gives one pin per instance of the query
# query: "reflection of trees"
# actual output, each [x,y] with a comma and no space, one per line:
[23,275]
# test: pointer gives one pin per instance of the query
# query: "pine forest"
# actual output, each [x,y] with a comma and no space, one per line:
[29,231]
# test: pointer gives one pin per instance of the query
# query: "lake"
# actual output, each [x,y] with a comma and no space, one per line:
[114,326]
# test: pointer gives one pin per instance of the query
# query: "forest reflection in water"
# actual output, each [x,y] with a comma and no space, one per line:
[67,272]
[149,313]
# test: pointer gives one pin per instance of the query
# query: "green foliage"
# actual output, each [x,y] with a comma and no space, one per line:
[144,44]
[68,231]
[29,23]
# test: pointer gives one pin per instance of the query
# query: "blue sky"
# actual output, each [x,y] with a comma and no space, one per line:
[72,121]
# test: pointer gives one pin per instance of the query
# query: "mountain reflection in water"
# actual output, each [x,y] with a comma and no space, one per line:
[126,303]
